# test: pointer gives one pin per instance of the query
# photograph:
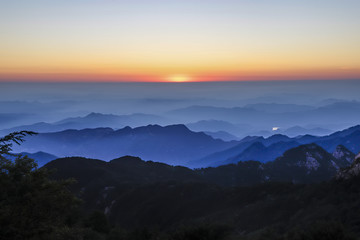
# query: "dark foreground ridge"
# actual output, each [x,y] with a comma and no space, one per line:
[128,198]
[242,199]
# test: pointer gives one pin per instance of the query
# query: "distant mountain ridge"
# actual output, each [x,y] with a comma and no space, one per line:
[277,115]
[174,144]
[92,120]
[177,145]
[279,108]
[268,149]
[222,135]
[288,119]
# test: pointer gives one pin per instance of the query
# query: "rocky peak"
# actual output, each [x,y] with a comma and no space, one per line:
[311,162]
[344,156]
[310,157]
[352,171]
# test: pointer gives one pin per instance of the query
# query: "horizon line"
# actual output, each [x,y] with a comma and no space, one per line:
[184,82]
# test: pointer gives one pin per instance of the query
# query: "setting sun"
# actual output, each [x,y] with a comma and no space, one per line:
[179,78]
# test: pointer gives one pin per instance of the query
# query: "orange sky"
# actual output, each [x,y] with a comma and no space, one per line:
[179,41]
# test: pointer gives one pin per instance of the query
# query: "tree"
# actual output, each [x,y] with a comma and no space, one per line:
[32,206]
[98,222]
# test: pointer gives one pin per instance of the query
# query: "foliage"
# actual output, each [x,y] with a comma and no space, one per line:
[139,195]
[151,201]
[201,232]
[6,142]
[98,222]
[320,230]
[31,205]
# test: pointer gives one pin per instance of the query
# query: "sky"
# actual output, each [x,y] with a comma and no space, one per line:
[178,41]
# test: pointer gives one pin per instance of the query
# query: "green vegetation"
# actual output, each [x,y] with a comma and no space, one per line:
[32,206]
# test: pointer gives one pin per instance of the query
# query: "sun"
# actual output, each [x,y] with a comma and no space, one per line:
[178,78]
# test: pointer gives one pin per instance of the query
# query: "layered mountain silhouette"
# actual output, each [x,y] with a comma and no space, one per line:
[240,130]
[173,144]
[92,120]
[268,149]
[251,119]
[298,131]
[177,145]
[279,108]
[266,116]
[222,135]
[223,126]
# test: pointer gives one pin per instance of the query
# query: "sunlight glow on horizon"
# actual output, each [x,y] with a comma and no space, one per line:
[138,40]
[179,78]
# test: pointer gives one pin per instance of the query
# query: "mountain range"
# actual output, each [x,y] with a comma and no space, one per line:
[268,149]
[92,120]
[135,194]
[266,116]
[173,144]
[177,145]
[262,119]
[303,164]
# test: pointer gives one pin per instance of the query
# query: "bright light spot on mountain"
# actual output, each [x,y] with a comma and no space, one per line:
[275,128]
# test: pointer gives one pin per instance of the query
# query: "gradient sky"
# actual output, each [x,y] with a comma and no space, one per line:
[179,40]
